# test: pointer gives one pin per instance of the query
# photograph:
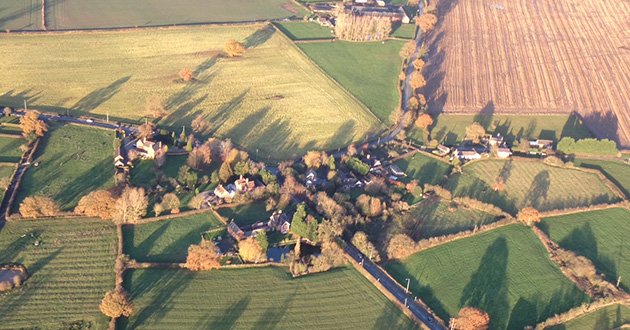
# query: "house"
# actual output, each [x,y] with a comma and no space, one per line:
[118,161]
[148,149]
[395,170]
[235,231]
[541,144]
[311,178]
[380,3]
[495,140]
[504,153]
[469,154]
[279,221]
[223,193]
[442,150]
[244,185]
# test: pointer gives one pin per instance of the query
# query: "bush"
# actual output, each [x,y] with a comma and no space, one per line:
[357,166]
[569,145]
[38,206]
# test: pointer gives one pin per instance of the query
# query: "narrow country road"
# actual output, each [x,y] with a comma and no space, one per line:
[391,286]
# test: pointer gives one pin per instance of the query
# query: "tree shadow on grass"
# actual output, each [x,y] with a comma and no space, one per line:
[485,115]
[538,191]
[139,252]
[273,315]
[259,37]
[99,96]
[92,179]
[464,184]
[487,288]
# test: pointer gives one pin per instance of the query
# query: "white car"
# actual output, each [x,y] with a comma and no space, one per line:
[89,121]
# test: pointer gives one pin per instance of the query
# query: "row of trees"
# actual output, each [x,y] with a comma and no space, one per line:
[357,27]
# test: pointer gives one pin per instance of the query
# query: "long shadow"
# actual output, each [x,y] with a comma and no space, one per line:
[487,288]
[16,15]
[90,180]
[574,127]
[247,127]
[99,96]
[605,125]
[141,250]
[485,115]
[506,170]
[273,315]
[462,185]
[521,314]
[538,191]
[41,263]
[343,136]
[206,65]
[259,37]
[230,315]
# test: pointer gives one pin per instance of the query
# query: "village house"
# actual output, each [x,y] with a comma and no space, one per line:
[395,170]
[279,221]
[311,179]
[442,150]
[469,154]
[223,193]
[244,185]
[235,231]
[504,153]
[148,149]
[541,144]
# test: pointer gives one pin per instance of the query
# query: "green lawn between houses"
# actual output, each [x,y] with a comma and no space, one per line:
[258,298]
[505,272]
[71,270]
[451,129]
[246,214]
[405,31]
[73,161]
[601,236]
[369,70]
[167,240]
[530,183]
[610,317]
[305,30]
[615,170]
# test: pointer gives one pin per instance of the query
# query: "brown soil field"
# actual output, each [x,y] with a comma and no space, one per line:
[534,57]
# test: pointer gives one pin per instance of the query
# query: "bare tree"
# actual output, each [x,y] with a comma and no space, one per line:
[130,206]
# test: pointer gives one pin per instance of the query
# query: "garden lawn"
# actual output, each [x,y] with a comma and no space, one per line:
[601,236]
[451,129]
[616,171]
[505,272]
[305,30]
[81,14]
[258,298]
[273,99]
[530,183]
[610,317]
[71,270]
[20,15]
[73,161]
[423,168]
[246,214]
[405,31]
[369,70]
[167,240]
[433,217]
[10,149]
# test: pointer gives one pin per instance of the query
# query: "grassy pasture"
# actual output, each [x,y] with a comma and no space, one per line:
[305,30]
[369,70]
[71,270]
[405,31]
[615,171]
[167,240]
[530,182]
[246,214]
[73,161]
[433,217]
[82,14]
[505,272]
[20,15]
[610,317]
[10,149]
[258,298]
[451,129]
[423,168]
[6,171]
[599,235]
[273,99]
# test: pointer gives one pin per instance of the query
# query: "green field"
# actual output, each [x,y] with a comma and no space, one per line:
[6,171]
[601,236]
[20,15]
[166,240]
[451,129]
[81,14]
[246,214]
[432,218]
[423,168]
[610,317]
[10,129]
[10,149]
[369,70]
[73,161]
[616,171]
[530,183]
[505,272]
[305,30]
[258,298]
[71,270]
[405,31]
[273,99]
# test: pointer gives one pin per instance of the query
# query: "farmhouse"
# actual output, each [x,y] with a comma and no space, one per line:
[148,149]
[469,154]
[244,185]
[223,193]
[279,221]
[235,231]
[504,153]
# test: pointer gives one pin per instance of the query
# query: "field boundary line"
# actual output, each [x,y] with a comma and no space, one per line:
[10,136]
[379,286]
[599,207]
[16,178]
[579,311]
[320,69]
[170,216]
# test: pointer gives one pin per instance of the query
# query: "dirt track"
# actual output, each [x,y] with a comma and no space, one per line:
[534,56]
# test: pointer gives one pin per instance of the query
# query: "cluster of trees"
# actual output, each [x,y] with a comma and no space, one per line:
[470,318]
[32,127]
[426,22]
[129,207]
[605,147]
[203,256]
[38,206]
[357,27]
[529,216]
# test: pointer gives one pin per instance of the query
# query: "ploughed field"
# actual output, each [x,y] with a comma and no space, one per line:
[530,183]
[71,263]
[534,57]
[601,236]
[272,100]
[505,272]
[258,298]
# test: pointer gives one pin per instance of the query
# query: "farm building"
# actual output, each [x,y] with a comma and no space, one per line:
[504,153]
[235,231]
[148,149]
